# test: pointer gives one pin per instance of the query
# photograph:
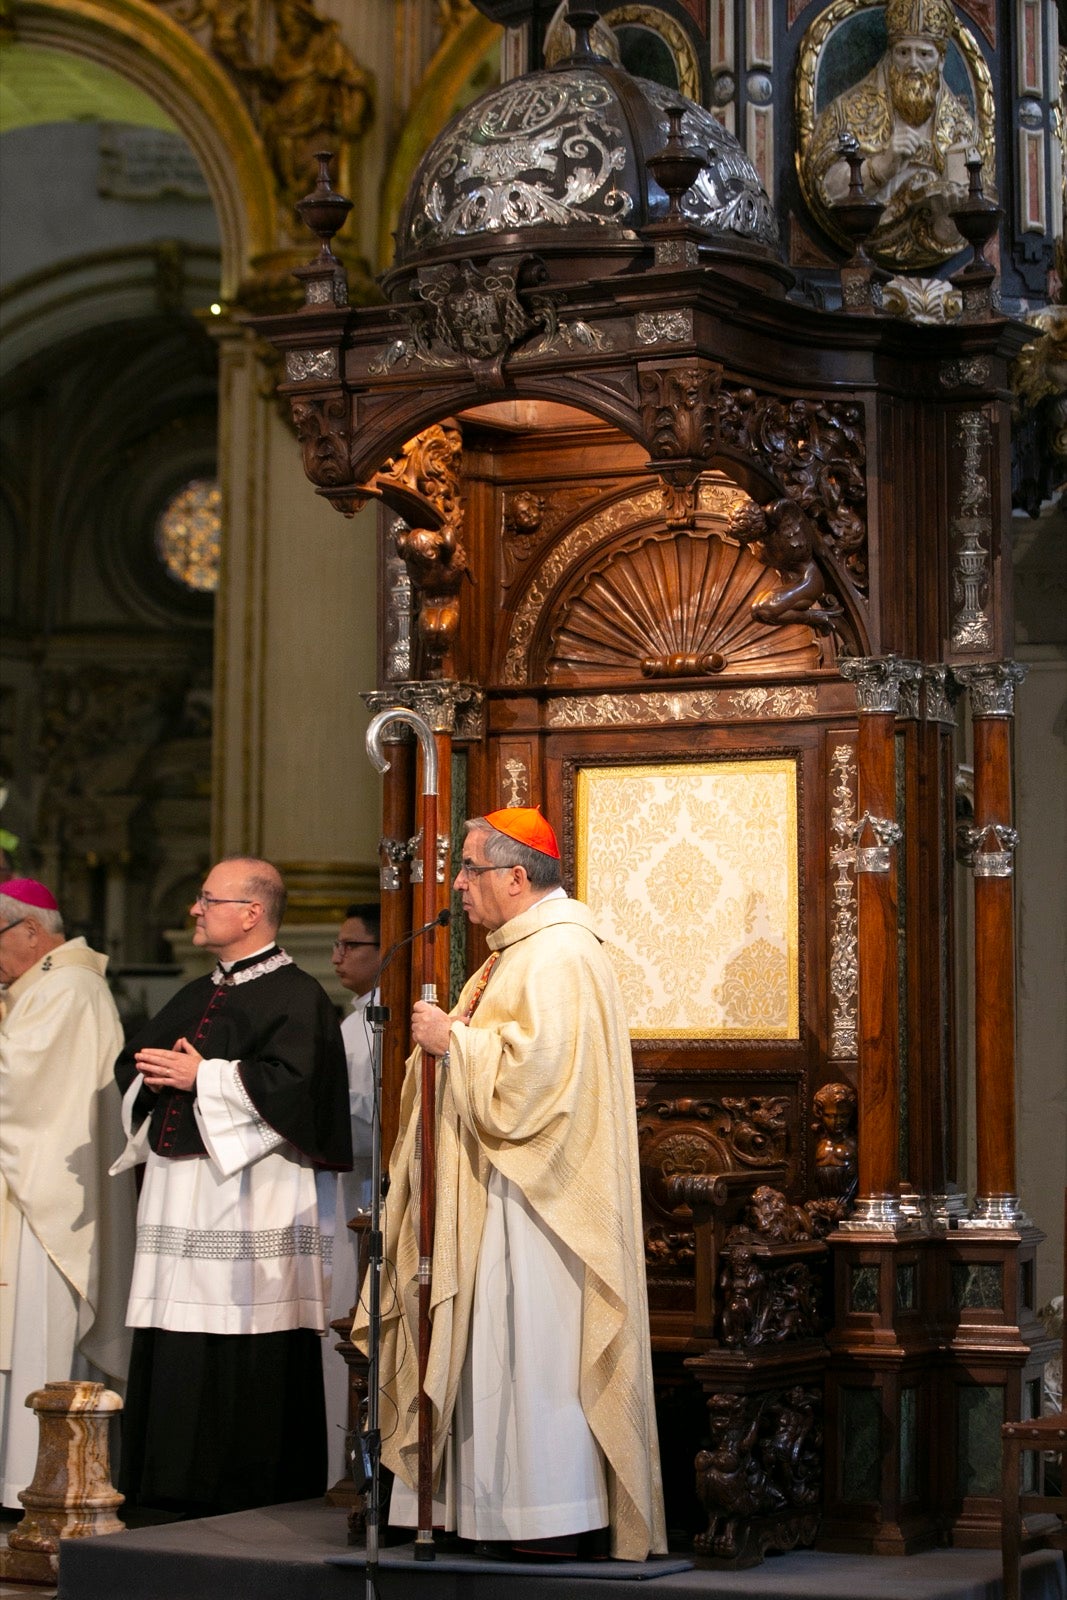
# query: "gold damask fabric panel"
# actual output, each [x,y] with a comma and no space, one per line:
[691,874]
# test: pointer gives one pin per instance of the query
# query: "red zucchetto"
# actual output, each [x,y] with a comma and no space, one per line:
[526,825]
[28,892]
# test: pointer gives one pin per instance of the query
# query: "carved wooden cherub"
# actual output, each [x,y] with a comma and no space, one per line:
[744,1298]
[437,566]
[835,1147]
[784,538]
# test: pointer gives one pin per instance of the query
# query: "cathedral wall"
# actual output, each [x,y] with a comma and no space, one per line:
[322,801]
[1041,801]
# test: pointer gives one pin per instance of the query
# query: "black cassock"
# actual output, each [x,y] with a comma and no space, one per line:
[215,1421]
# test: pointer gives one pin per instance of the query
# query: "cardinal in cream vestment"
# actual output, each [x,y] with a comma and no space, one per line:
[540,1367]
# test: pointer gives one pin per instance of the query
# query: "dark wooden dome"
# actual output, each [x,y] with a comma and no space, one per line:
[558,161]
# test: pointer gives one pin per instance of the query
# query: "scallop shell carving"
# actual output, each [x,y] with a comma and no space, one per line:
[686,597]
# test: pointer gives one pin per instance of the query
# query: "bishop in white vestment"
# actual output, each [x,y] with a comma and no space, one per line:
[66,1229]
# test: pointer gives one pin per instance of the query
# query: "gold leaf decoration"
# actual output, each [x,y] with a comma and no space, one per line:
[755,991]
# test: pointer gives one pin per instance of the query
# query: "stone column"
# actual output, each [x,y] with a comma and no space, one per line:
[992,842]
[877,682]
[296,631]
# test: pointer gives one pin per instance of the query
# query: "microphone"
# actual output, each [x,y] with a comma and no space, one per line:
[442,919]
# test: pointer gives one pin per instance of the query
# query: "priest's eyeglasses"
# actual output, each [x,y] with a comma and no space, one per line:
[9,925]
[209,900]
[354,944]
[470,869]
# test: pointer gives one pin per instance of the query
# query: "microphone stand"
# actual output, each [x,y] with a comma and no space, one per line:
[371,1443]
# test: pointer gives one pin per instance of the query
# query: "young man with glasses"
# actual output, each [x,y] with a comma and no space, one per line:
[356,954]
[235,1097]
[66,1228]
[540,1366]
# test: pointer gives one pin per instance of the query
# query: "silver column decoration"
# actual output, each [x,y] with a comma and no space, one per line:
[875,857]
[844,958]
[991,685]
[996,863]
[877,679]
[392,854]
[399,611]
[971,625]
[941,691]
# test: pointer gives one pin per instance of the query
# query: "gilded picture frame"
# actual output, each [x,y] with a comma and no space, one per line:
[839,50]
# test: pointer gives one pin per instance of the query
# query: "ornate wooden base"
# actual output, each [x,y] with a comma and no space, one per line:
[995,1350]
[935,1344]
[751,1539]
[880,1437]
[759,1480]
[344,1493]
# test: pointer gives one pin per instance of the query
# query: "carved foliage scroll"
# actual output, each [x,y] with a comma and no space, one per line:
[814,449]
[691,1135]
[844,954]
[436,561]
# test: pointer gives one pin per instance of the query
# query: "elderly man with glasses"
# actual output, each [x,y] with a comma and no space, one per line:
[540,1368]
[235,1097]
[66,1228]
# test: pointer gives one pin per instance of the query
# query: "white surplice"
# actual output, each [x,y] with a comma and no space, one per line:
[230,1242]
[518,1424]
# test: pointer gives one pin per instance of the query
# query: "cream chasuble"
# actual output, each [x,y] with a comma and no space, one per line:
[540,1093]
[66,1228]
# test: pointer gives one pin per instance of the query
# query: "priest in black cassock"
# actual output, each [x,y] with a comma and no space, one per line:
[234,1096]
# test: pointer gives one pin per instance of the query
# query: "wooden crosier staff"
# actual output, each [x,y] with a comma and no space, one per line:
[426,1145]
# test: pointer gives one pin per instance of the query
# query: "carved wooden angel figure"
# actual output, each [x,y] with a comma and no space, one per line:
[835,1145]
[744,1297]
[437,566]
[784,538]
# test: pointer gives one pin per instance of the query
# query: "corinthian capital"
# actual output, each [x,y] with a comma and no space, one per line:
[877,679]
[991,685]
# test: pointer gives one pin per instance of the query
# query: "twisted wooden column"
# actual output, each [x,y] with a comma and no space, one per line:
[877,682]
[992,842]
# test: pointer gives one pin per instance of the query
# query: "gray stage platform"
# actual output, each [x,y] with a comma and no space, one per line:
[281,1553]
